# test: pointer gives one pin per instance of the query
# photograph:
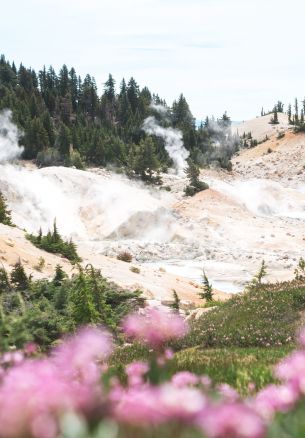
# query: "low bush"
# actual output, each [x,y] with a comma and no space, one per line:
[54,243]
[125,256]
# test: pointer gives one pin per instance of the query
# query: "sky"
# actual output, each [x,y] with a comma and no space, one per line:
[223,55]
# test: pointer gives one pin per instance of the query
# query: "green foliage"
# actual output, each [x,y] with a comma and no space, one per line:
[195,185]
[274,119]
[4,280]
[267,315]
[59,276]
[256,282]
[176,302]
[19,278]
[143,161]
[42,311]
[300,270]
[207,289]
[66,122]
[235,366]
[5,214]
[54,243]
[238,367]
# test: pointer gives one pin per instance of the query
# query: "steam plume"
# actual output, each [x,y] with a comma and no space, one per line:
[173,142]
[9,135]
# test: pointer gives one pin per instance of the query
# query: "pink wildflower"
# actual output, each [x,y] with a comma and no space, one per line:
[79,355]
[233,420]
[274,398]
[292,370]
[185,378]
[227,392]
[152,405]
[135,372]
[155,328]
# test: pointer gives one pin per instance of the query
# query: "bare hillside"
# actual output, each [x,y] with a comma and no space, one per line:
[276,159]
[261,127]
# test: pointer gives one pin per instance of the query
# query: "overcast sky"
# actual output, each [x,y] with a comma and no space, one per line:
[233,55]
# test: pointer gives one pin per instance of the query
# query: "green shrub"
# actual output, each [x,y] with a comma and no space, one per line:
[135,269]
[54,243]
[5,213]
[43,311]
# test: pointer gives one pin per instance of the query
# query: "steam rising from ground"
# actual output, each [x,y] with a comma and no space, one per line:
[266,198]
[173,141]
[9,135]
[86,205]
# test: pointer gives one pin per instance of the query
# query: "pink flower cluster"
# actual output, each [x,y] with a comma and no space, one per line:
[35,394]
[155,327]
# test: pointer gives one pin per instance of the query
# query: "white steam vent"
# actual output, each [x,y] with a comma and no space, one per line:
[9,135]
[172,138]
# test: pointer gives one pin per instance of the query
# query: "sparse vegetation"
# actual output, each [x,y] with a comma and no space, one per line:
[280,134]
[40,265]
[195,185]
[54,243]
[125,256]
[5,213]
[300,270]
[207,289]
[176,302]
[274,119]
[135,269]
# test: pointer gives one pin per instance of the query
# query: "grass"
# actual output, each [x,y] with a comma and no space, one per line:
[265,316]
[236,366]
[240,340]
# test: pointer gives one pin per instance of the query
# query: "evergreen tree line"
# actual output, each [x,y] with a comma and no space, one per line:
[65,121]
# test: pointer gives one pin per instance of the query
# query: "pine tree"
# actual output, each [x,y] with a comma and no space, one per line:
[64,140]
[176,301]
[257,280]
[143,161]
[83,310]
[207,289]
[195,185]
[5,213]
[4,280]
[289,114]
[19,278]
[274,119]
[59,276]
[56,237]
[296,111]
[261,273]
[109,88]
